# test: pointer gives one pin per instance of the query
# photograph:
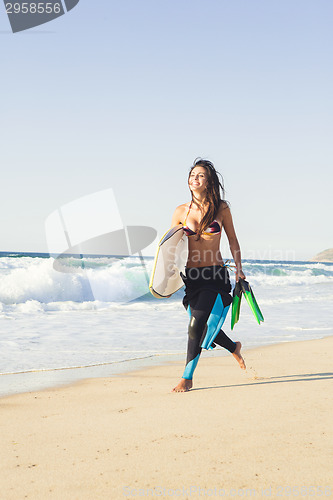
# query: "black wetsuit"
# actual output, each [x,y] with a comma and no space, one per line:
[207,300]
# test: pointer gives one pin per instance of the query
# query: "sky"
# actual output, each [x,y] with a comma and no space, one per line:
[126,94]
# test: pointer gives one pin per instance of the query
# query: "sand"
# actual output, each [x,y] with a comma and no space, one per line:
[266,432]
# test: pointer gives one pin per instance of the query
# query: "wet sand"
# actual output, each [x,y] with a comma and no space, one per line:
[236,434]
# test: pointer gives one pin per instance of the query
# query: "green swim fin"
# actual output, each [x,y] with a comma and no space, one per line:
[236,302]
[251,300]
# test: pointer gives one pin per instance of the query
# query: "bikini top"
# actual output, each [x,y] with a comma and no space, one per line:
[213,228]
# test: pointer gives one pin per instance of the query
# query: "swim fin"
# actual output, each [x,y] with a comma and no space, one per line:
[236,302]
[243,287]
[251,300]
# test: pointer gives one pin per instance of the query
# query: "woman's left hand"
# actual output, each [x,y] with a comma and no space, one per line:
[239,274]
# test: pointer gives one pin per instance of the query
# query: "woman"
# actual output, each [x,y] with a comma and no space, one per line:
[207,286]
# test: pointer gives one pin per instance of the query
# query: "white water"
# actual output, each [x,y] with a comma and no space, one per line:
[103,314]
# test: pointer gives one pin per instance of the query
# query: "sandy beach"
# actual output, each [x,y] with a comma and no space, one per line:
[266,432]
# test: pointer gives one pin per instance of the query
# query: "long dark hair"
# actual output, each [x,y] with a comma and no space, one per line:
[214,190]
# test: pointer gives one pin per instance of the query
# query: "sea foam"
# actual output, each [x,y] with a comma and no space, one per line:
[101,311]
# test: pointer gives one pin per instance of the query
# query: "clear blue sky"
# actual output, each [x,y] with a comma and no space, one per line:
[125,94]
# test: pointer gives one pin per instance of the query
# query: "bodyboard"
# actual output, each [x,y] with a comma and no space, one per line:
[170,260]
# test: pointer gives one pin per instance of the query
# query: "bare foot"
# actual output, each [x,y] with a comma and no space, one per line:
[237,355]
[183,386]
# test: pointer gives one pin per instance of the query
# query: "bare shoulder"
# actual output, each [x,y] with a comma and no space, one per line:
[181,209]
[224,209]
[183,206]
[179,214]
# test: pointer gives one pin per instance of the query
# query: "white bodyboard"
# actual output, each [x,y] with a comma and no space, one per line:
[170,260]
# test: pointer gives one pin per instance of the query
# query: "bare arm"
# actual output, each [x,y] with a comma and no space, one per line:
[178,216]
[233,241]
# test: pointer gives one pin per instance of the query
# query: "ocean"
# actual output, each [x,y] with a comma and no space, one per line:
[98,318]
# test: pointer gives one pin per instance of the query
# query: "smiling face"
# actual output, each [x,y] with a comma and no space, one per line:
[198,179]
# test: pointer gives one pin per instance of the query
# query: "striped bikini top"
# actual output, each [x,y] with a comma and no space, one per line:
[213,228]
